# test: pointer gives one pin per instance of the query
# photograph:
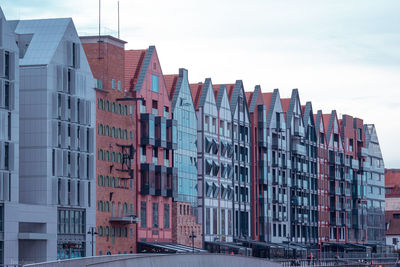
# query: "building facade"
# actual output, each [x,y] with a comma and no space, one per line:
[241,159]
[374,170]
[185,226]
[323,180]
[116,131]
[9,142]
[392,207]
[354,178]
[157,178]
[303,174]
[57,142]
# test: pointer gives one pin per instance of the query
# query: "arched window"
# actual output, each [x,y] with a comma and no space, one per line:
[126,110]
[100,230]
[119,109]
[107,181]
[107,206]
[107,156]
[126,134]
[113,132]
[119,133]
[100,154]
[113,107]
[125,209]
[100,180]
[107,105]
[107,231]
[107,133]
[113,156]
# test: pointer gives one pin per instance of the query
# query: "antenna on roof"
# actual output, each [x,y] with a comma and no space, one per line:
[118,19]
[99,41]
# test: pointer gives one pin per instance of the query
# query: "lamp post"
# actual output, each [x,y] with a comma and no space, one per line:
[92,231]
[192,236]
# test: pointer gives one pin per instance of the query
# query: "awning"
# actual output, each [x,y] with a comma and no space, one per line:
[153,247]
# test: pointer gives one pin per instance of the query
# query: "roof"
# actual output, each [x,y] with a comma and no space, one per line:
[267,97]
[171,81]
[248,95]
[47,35]
[196,90]
[285,102]
[133,64]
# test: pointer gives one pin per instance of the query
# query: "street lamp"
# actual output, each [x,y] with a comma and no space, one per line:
[192,236]
[92,231]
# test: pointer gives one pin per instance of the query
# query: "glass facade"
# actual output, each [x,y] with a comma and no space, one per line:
[185,156]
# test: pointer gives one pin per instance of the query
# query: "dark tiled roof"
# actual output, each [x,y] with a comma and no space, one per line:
[196,90]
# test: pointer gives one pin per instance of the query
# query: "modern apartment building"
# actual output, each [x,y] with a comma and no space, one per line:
[184,208]
[303,174]
[116,214]
[354,179]
[338,210]
[260,178]
[9,141]
[374,170]
[57,142]
[156,137]
[214,153]
[323,180]
[241,159]
[278,152]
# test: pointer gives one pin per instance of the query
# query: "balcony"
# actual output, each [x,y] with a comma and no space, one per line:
[355,164]
[299,131]
[160,132]
[172,134]
[147,129]
[126,219]
[347,192]
[299,149]
[363,152]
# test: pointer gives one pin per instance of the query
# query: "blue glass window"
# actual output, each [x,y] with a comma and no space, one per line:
[154,83]
[113,84]
[163,131]
[151,128]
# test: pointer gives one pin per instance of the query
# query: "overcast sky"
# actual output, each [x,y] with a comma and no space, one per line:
[341,55]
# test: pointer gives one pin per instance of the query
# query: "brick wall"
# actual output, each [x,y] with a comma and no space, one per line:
[183,223]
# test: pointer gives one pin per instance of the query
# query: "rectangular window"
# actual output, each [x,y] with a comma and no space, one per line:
[154,83]
[215,221]
[119,85]
[229,222]
[166,216]
[143,218]
[113,84]
[208,221]
[155,215]
[99,84]
[223,221]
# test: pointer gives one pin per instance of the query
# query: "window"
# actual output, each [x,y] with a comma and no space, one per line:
[208,221]
[99,84]
[166,216]
[119,85]
[113,84]
[215,221]
[396,216]
[143,218]
[155,215]
[154,83]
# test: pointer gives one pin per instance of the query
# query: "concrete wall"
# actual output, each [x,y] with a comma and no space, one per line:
[175,260]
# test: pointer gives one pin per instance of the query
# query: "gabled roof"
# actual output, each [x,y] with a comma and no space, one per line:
[171,81]
[270,99]
[289,108]
[133,64]
[254,96]
[307,111]
[219,93]
[248,96]
[267,97]
[47,35]
[285,102]
[318,117]
[196,90]
[229,90]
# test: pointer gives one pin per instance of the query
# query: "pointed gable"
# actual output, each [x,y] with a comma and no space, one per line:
[195,90]
[274,107]
[170,81]
[133,64]
[292,106]
[256,99]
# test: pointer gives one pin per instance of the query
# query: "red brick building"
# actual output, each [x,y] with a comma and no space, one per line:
[156,176]
[392,183]
[115,190]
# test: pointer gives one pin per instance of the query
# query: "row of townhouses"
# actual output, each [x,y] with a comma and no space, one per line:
[101,153]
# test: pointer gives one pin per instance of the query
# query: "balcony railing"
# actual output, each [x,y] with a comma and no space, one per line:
[125,219]
[299,149]
[355,164]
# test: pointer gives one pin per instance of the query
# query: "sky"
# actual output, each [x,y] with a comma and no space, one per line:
[340,54]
